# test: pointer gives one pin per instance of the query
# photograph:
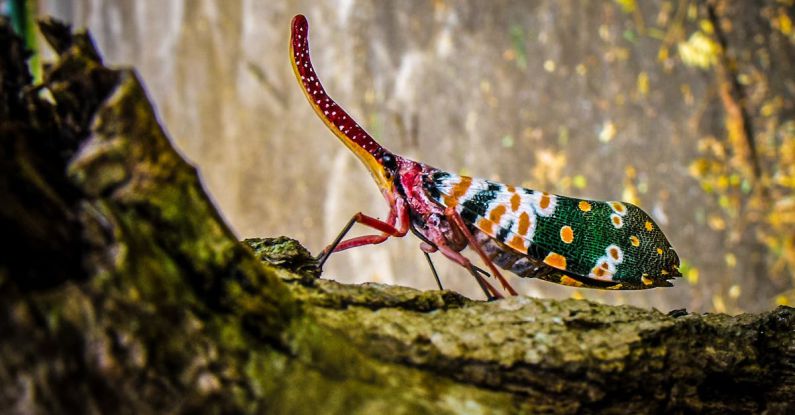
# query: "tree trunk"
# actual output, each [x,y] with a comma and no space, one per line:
[122,290]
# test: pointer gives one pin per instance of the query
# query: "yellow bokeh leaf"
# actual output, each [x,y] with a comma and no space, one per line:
[731,260]
[627,6]
[706,26]
[580,181]
[692,276]
[643,83]
[608,131]
[716,222]
[734,292]
[699,167]
[784,23]
[663,54]
[718,304]
[723,182]
[699,50]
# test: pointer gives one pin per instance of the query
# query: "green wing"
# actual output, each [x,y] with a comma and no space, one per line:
[604,242]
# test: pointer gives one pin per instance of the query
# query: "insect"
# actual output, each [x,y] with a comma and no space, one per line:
[576,242]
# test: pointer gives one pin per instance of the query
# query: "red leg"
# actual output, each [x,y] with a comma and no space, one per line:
[488,289]
[386,227]
[360,241]
[397,213]
[428,248]
[455,217]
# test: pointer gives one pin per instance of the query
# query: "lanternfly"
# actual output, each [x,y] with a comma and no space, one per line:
[584,243]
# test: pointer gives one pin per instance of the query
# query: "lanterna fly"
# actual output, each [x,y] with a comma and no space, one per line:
[584,243]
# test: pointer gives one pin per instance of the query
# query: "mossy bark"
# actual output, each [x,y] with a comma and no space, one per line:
[122,290]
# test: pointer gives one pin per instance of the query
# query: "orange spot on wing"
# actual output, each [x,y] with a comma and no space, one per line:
[515,201]
[571,282]
[634,240]
[584,206]
[649,226]
[555,260]
[518,243]
[659,251]
[497,213]
[545,201]
[618,207]
[510,188]
[646,281]
[458,190]
[486,226]
[614,253]
[567,234]
[524,223]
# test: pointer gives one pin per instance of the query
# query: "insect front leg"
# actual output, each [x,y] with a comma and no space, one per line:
[397,214]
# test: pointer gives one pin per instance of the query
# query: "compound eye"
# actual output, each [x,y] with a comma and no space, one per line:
[389,161]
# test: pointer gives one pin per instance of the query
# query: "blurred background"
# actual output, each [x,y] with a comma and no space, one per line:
[683,107]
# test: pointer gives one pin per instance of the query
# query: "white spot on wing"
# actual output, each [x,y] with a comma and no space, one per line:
[618,207]
[620,258]
[616,221]
[549,210]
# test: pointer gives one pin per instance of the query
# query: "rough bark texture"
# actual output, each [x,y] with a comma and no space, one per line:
[122,290]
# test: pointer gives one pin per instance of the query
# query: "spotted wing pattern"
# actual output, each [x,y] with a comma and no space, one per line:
[601,244]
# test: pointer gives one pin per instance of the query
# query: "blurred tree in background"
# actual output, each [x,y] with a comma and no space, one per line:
[684,107]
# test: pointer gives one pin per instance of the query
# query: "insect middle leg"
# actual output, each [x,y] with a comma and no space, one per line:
[456,219]
[427,247]
[488,289]
[433,270]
